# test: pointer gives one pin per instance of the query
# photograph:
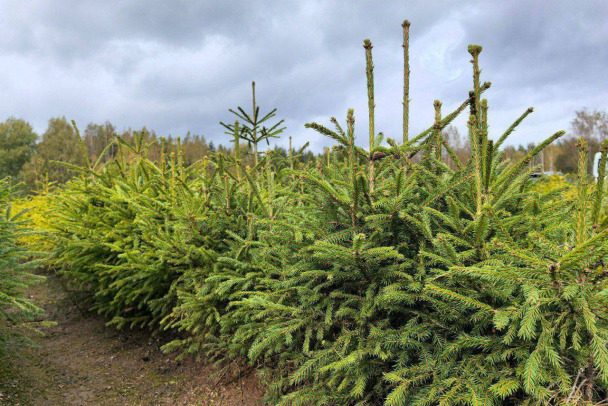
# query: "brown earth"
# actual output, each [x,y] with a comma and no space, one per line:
[79,361]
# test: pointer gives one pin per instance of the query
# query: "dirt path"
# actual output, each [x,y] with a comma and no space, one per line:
[82,362]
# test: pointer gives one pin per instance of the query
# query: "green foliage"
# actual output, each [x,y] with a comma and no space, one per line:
[60,143]
[17,140]
[378,276]
[15,309]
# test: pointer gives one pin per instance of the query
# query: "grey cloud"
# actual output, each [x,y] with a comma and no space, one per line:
[178,66]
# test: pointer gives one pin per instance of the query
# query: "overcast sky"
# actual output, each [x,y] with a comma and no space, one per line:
[177,66]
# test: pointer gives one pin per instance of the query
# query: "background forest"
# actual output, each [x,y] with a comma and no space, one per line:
[33,159]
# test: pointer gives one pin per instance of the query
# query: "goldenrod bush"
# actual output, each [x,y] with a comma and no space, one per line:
[35,211]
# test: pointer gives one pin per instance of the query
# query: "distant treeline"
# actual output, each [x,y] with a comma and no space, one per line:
[34,160]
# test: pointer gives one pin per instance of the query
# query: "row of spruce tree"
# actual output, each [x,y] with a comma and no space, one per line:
[375,276]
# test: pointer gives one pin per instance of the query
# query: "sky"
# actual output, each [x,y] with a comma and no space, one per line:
[178,66]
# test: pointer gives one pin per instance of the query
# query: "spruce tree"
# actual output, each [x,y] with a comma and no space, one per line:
[16,310]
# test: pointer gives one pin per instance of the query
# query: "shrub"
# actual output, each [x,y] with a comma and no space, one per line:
[34,209]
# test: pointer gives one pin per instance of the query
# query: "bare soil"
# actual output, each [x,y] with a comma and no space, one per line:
[79,361]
